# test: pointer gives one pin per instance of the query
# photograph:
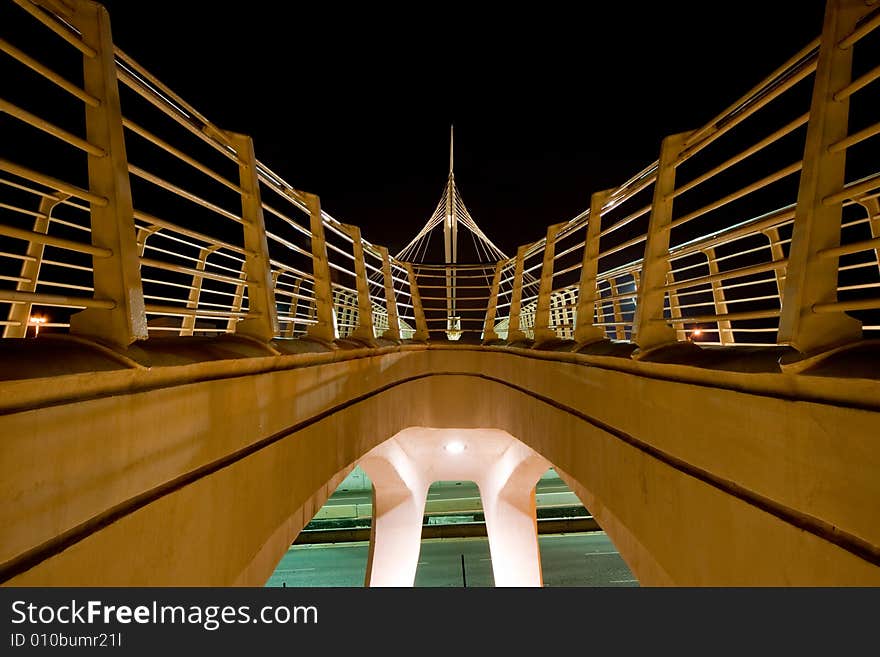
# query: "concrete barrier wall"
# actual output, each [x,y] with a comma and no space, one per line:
[159,477]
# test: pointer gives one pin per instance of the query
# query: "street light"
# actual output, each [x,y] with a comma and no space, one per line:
[36,320]
[696,333]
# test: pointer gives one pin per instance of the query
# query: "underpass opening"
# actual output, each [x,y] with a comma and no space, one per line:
[454,549]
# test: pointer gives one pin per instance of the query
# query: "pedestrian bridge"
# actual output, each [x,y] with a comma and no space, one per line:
[195,353]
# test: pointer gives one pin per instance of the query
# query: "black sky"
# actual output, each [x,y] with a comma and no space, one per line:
[549,104]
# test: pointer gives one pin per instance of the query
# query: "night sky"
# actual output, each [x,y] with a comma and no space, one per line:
[548,106]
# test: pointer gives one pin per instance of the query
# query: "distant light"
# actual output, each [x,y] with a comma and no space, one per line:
[36,320]
[696,333]
[455,447]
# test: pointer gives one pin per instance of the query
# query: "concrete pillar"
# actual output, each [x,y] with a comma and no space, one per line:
[543,332]
[116,277]
[325,327]
[508,496]
[399,495]
[505,471]
[514,334]
[811,278]
[261,321]
[30,268]
[393,331]
[649,328]
[585,329]
[492,307]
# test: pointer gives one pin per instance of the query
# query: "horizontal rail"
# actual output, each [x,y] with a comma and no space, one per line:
[729,317]
[49,181]
[50,128]
[14,296]
[50,240]
[56,27]
[48,73]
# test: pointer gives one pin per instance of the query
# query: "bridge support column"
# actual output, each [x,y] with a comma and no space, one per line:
[505,471]
[811,276]
[586,330]
[399,495]
[543,332]
[324,328]
[514,333]
[117,278]
[30,269]
[364,330]
[650,327]
[489,333]
[393,331]
[421,333]
[508,496]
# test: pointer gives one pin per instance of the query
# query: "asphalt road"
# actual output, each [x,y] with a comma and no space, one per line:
[566,559]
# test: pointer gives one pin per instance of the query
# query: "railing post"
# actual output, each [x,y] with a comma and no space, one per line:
[421,333]
[237,299]
[810,278]
[364,330]
[294,308]
[143,234]
[489,333]
[117,277]
[619,329]
[650,330]
[586,330]
[543,332]
[393,332]
[514,334]
[325,326]
[188,325]
[725,332]
[872,207]
[261,321]
[30,268]
[776,254]
[674,305]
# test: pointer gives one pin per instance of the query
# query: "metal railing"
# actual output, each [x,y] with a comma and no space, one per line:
[205,237]
[760,227]
[667,256]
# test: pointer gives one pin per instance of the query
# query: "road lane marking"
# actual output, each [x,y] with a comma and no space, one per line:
[622,581]
[591,554]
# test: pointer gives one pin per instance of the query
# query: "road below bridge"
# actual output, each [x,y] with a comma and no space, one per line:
[588,559]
